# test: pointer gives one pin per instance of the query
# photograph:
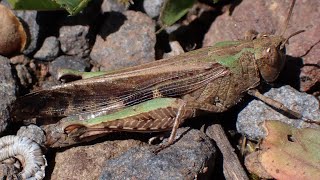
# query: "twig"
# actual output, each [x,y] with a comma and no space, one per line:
[232,168]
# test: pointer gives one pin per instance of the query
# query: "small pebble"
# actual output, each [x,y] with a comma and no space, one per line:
[113,5]
[74,40]
[153,7]
[49,49]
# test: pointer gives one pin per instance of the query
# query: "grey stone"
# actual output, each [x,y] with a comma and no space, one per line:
[32,132]
[86,162]
[153,7]
[22,65]
[49,49]
[68,62]
[113,5]
[32,28]
[74,40]
[7,91]
[187,158]
[250,119]
[23,75]
[124,40]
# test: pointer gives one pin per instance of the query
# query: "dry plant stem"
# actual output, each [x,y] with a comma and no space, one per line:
[34,161]
[232,168]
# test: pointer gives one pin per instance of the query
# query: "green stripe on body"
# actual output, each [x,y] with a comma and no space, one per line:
[144,107]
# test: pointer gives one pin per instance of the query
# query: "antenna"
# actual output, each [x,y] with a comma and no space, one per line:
[287,39]
[286,22]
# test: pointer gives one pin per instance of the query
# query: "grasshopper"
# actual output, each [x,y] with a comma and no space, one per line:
[160,95]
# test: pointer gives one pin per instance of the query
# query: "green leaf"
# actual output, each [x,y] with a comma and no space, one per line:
[173,10]
[72,6]
[33,5]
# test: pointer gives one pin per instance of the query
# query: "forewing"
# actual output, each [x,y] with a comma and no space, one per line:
[172,77]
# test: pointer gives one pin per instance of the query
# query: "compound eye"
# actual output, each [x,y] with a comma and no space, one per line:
[263,35]
[271,56]
[268,50]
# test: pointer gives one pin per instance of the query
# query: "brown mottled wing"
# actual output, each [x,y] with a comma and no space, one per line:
[172,77]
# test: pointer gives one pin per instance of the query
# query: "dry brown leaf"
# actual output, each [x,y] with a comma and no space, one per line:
[287,153]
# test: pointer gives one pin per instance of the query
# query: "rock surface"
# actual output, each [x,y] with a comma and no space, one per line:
[7,91]
[74,40]
[87,162]
[21,63]
[153,7]
[49,49]
[112,5]
[251,118]
[187,158]
[29,20]
[268,16]
[124,40]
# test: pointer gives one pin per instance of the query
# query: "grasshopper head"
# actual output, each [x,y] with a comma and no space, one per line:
[270,56]
[270,51]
